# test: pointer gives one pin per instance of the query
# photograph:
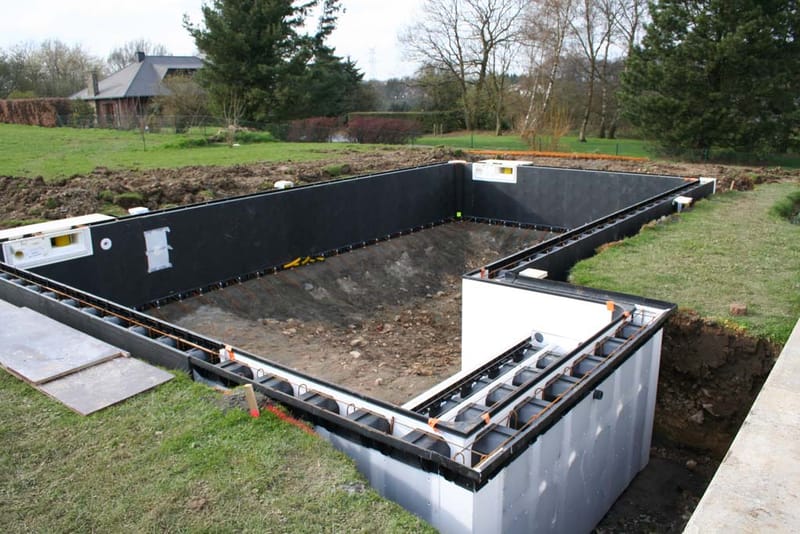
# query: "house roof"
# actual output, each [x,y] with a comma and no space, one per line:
[141,79]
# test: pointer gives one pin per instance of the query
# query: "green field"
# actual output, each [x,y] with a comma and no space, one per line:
[569,144]
[727,249]
[63,152]
[172,460]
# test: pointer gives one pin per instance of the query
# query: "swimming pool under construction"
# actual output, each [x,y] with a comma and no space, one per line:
[549,417]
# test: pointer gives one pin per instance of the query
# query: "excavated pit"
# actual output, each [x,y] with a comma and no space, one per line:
[385,320]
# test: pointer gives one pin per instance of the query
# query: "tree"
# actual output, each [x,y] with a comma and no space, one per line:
[6,75]
[717,73]
[631,17]
[328,87]
[124,55]
[460,37]
[592,30]
[547,24]
[186,101]
[438,90]
[64,69]
[49,69]
[255,50]
[320,83]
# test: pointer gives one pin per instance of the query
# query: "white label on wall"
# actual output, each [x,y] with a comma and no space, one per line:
[497,170]
[157,249]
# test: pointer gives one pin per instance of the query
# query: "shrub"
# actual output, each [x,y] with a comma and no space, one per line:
[82,114]
[428,121]
[246,137]
[191,142]
[314,129]
[382,130]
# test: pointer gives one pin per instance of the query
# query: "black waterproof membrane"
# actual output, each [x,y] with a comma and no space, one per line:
[224,242]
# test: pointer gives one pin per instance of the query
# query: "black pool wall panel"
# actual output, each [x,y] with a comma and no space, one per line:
[558,255]
[560,198]
[229,238]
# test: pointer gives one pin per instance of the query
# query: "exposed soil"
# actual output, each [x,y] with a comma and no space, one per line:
[709,377]
[386,319]
[106,190]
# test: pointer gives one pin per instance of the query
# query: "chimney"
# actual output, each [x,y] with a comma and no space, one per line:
[91,84]
[139,56]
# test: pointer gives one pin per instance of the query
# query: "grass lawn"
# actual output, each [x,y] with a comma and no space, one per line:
[172,460]
[570,144]
[63,152]
[727,249]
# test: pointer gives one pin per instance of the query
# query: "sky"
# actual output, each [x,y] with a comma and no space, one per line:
[367,31]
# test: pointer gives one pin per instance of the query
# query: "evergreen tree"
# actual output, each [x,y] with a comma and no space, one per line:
[717,73]
[320,83]
[254,51]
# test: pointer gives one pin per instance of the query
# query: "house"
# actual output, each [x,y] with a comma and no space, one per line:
[126,93]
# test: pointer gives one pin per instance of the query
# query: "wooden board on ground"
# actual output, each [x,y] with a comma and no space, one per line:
[39,349]
[105,384]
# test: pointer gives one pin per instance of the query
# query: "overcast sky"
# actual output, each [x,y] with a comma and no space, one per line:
[367,31]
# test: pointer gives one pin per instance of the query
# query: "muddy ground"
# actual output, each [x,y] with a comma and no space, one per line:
[113,191]
[386,319]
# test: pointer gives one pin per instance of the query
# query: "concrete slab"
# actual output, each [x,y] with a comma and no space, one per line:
[105,384]
[757,486]
[38,349]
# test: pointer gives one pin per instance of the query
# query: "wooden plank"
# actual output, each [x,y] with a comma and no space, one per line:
[105,384]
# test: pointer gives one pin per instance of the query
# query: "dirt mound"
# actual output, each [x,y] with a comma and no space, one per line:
[111,191]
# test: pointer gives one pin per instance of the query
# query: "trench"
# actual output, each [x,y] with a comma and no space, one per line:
[385,320]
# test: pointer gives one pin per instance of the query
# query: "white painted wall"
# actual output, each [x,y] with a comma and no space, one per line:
[564,482]
[495,317]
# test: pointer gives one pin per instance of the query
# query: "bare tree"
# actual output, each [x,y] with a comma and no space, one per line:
[460,37]
[64,68]
[502,58]
[591,31]
[547,25]
[124,55]
[632,16]
[231,102]
[610,13]
[49,69]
